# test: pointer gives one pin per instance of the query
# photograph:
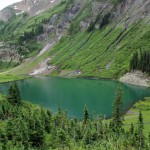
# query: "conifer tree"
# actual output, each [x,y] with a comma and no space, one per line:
[14,94]
[48,121]
[87,137]
[36,132]
[132,129]
[118,112]
[86,115]
[140,131]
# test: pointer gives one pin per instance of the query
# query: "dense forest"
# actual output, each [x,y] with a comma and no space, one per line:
[25,126]
[141,61]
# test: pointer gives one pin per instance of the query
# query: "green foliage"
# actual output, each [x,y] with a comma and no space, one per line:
[141,61]
[14,94]
[86,115]
[91,26]
[105,20]
[118,112]
[31,34]
[104,53]
[6,65]
[140,131]
[116,2]
[75,24]
[29,126]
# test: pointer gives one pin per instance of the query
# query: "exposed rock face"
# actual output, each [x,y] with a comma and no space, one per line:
[7,56]
[59,23]
[9,53]
[33,7]
[136,78]
[133,10]
[6,14]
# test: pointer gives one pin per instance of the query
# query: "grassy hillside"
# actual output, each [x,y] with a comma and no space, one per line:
[132,115]
[8,77]
[104,53]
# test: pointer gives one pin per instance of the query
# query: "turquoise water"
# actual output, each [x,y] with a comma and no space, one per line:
[73,94]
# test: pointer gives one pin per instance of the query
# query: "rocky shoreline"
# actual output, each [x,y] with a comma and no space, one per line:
[136,78]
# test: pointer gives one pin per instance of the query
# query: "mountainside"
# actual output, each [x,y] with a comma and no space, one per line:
[82,38]
[32,7]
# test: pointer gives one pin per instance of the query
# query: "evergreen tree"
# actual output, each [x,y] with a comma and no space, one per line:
[141,61]
[132,129]
[105,20]
[48,118]
[36,132]
[118,112]
[3,140]
[14,94]
[86,115]
[91,26]
[87,137]
[62,139]
[140,131]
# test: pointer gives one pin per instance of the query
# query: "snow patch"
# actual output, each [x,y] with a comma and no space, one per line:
[52,1]
[15,7]
[19,13]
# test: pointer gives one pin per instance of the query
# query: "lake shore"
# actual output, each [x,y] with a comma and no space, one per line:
[5,78]
[136,78]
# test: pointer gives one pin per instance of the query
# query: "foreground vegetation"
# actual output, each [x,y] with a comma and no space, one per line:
[132,115]
[26,126]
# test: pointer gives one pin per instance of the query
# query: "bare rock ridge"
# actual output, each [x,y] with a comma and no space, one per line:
[33,7]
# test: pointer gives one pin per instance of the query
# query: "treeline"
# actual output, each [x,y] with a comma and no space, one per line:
[141,61]
[26,126]
[28,35]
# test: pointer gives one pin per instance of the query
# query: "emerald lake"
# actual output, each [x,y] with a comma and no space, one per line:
[73,94]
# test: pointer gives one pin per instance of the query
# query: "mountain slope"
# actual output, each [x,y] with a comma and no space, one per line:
[32,7]
[89,38]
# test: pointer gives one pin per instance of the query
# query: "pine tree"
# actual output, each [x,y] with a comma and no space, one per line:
[87,137]
[48,121]
[14,94]
[118,112]
[86,115]
[62,139]
[36,132]
[131,129]
[140,131]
